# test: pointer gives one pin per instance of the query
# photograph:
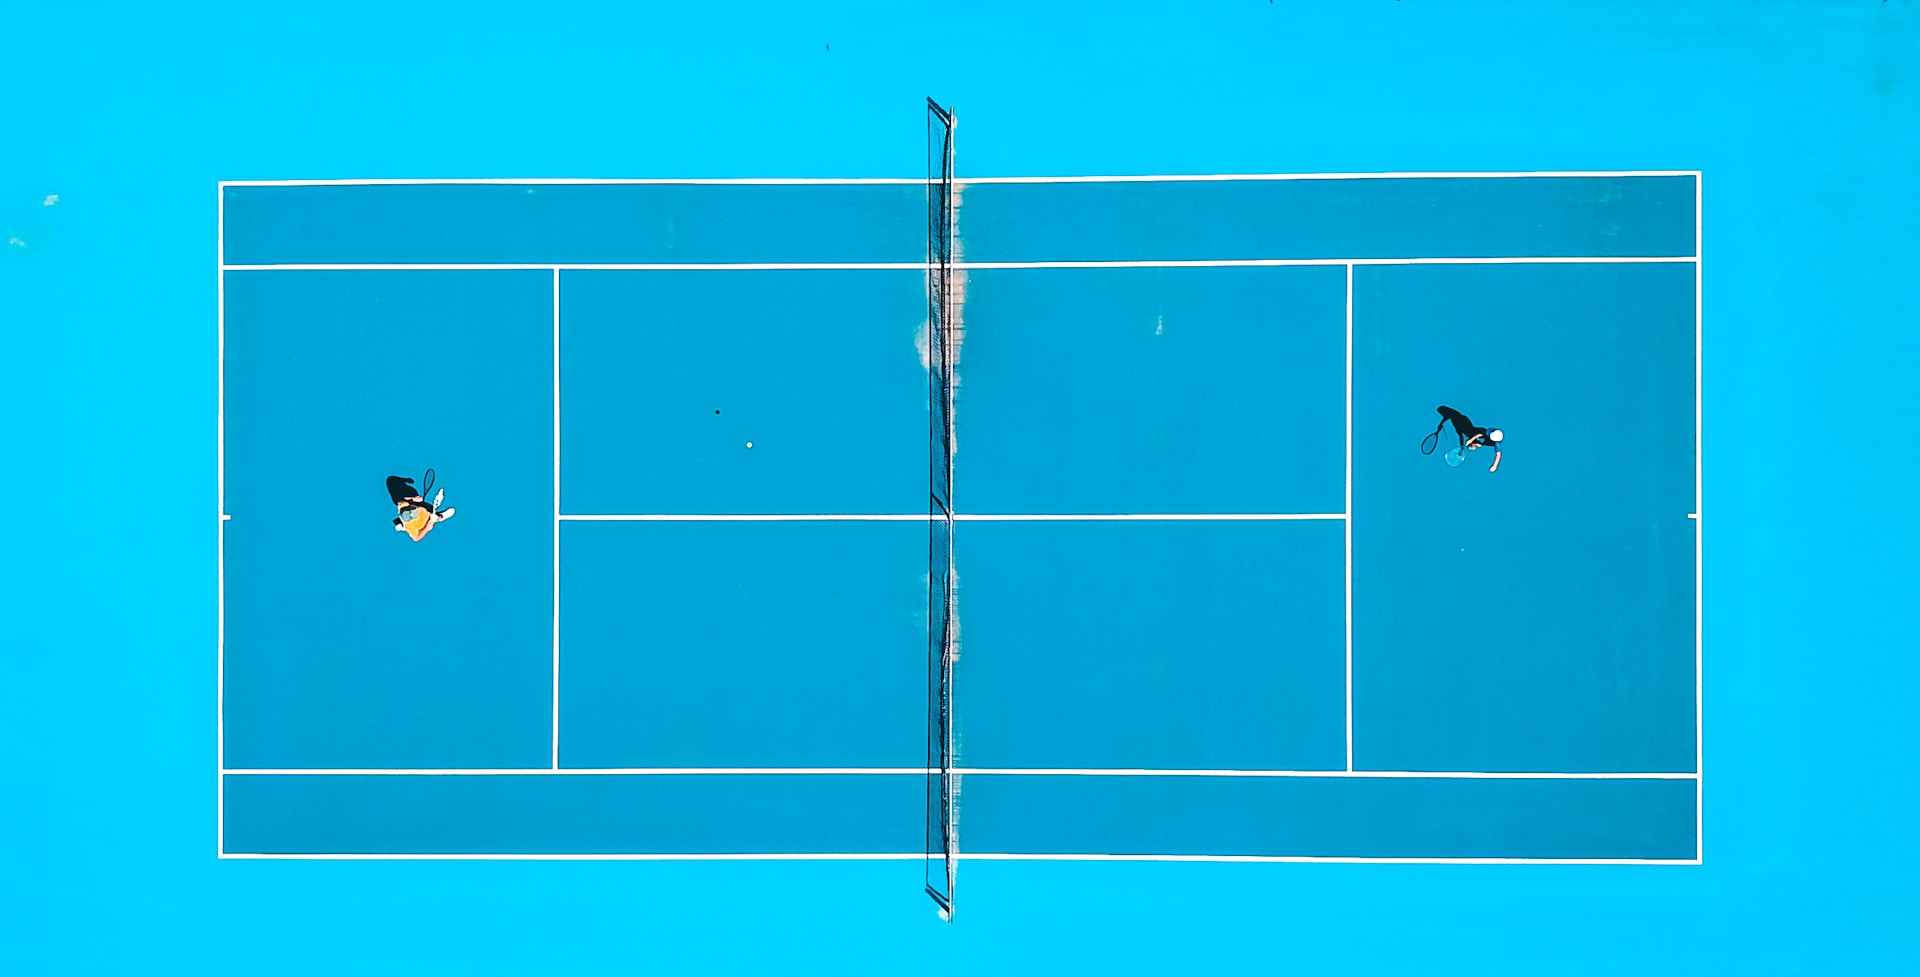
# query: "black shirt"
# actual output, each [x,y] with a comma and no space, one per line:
[1462,426]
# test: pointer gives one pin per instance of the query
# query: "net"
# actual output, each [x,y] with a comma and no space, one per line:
[941,842]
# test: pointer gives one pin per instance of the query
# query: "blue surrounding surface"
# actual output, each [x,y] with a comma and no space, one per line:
[1798,114]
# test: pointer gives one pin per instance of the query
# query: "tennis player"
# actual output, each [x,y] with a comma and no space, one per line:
[1471,438]
[417,518]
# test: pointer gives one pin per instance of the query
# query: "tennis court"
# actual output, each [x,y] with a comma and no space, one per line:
[1210,600]
[601,722]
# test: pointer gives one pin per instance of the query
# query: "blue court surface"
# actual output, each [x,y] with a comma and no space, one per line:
[1216,602]
[1065,537]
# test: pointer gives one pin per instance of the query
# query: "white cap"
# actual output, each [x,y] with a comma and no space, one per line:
[1495,435]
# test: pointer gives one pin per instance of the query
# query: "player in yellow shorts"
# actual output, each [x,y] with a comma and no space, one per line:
[417,517]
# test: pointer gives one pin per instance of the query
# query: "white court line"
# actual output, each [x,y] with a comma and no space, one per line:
[588,181]
[1327,774]
[556,518]
[577,266]
[220,478]
[921,181]
[1155,517]
[972,517]
[1699,689]
[963,856]
[1240,177]
[628,857]
[1349,517]
[965,265]
[1339,859]
[667,517]
[963,771]
[917,266]
[1334,262]
[576,771]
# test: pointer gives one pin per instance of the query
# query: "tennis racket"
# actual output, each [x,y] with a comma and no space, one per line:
[426,491]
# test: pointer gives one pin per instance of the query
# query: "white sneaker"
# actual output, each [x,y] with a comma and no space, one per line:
[447,514]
